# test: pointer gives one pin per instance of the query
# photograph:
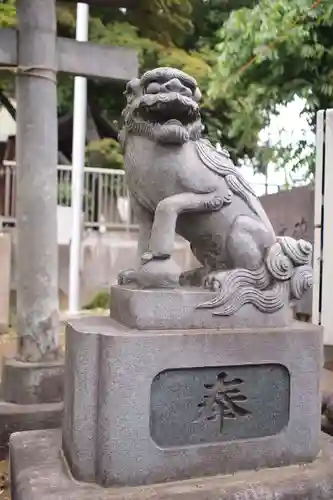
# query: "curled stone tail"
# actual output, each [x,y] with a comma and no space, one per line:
[242,286]
[290,259]
[266,301]
[285,274]
[231,281]
[301,281]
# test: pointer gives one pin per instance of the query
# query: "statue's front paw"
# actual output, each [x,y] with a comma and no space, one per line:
[126,277]
[158,273]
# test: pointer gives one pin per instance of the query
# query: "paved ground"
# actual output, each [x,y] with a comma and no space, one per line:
[4,481]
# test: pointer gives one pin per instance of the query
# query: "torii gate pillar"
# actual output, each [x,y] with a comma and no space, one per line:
[37,145]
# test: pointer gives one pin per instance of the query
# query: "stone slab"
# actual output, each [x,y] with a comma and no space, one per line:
[17,418]
[159,405]
[32,383]
[38,472]
[175,309]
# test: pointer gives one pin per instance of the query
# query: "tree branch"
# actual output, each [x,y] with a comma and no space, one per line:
[104,127]
[7,104]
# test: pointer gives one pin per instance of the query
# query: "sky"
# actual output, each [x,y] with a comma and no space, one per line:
[7,124]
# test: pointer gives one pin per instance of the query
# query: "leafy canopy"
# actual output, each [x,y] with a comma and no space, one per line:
[181,33]
[271,52]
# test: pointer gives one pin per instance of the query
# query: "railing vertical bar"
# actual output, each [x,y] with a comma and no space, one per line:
[94,178]
[100,187]
[118,195]
[7,191]
[112,215]
[85,195]
[13,194]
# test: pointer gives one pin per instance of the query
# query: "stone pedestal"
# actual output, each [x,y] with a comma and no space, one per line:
[166,309]
[32,398]
[149,406]
[33,383]
[191,414]
[39,472]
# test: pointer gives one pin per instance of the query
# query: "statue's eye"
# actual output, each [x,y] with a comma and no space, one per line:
[153,88]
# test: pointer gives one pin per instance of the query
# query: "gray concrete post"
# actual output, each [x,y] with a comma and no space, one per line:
[37,259]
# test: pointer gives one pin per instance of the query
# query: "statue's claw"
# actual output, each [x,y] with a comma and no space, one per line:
[126,277]
[213,281]
[153,274]
[159,273]
[193,277]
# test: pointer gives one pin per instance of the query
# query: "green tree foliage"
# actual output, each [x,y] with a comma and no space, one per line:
[271,52]
[8,14]
[108,152]
[180,33]
[7,20]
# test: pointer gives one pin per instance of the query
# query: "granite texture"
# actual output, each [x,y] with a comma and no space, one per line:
[38,472]
[109,389]
[18,418]
[177,309]
[32,383]
[180,184]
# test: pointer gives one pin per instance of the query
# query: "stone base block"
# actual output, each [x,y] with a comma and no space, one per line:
[38,472]
[17,418]
[32,383]
[176,309]
[145,407]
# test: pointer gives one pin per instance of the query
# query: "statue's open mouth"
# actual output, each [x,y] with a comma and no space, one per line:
[171,108]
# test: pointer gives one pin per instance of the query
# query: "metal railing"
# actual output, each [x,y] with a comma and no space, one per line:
[7,191]
[105,197]
[106,201]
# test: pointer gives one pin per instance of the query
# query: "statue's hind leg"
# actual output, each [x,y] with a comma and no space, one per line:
[246,247]
[248,281]
[248,242]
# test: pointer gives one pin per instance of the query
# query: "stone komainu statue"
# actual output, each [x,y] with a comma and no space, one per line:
[179,183]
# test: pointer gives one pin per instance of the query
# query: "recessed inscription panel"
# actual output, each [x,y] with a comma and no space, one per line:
[207,405]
